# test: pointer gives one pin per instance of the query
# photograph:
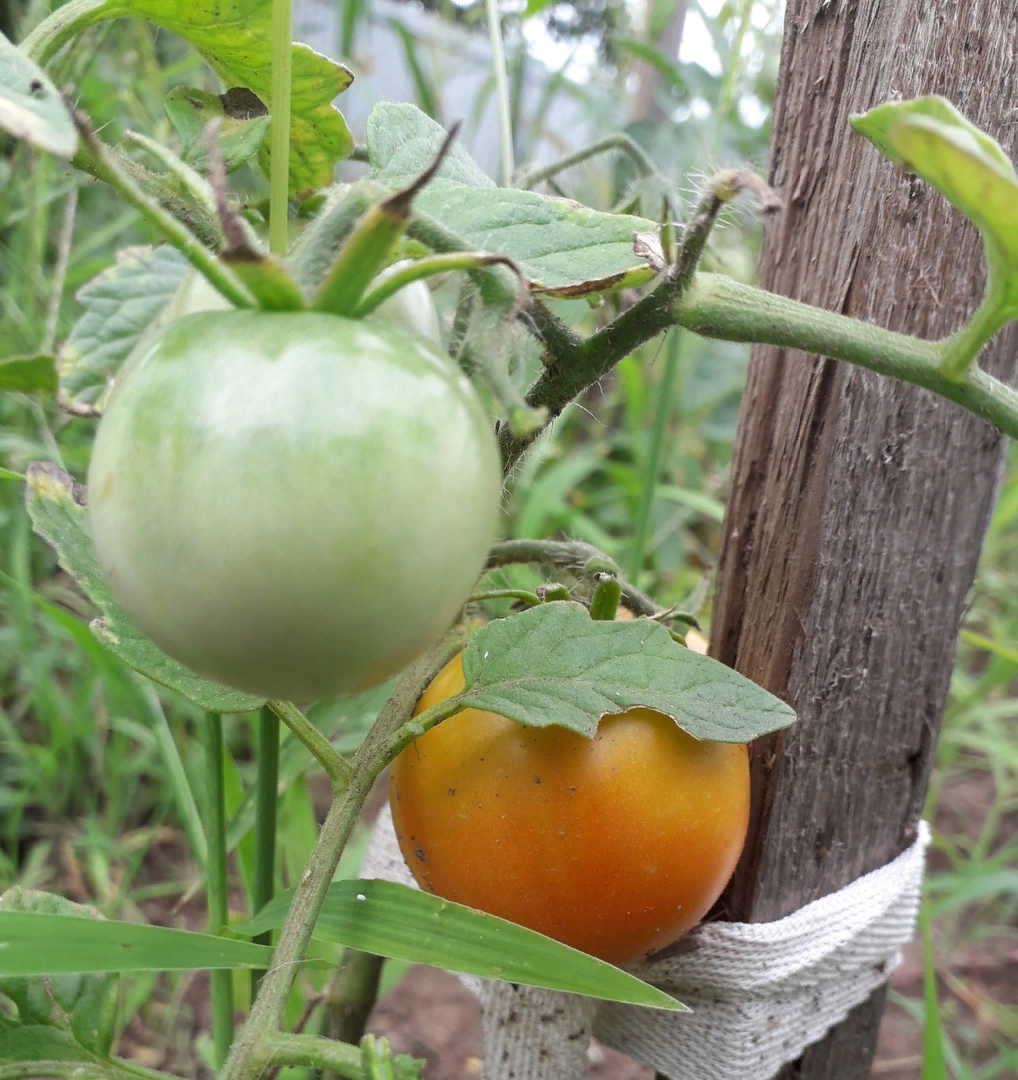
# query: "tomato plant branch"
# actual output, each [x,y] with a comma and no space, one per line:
[252,1049]
[578,558]
[192,182]
[719,307]
[336,767]
[962,348]
[104,165]
[351,994]
[313,1051]
[619,141]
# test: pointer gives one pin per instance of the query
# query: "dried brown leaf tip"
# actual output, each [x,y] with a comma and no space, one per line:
[647,245]
[731,182]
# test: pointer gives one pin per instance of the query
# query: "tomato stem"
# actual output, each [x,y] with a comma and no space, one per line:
[509,594]
[437,264]
[336,767]
[279,158]
[103,165]
[575,556]
[259,1039]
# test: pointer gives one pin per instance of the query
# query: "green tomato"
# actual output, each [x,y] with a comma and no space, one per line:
[294,504]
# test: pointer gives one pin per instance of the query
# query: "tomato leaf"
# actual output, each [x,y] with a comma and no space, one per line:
[30,105]
[553,664]
[236,41]
[37,1043]
[931,138]
[28,373]
[121,304]
[56,506]
[389,919]
[36,944]
[242,128]
[564,248]
[83,1005]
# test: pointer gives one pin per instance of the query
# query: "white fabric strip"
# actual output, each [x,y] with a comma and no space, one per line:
[760,992]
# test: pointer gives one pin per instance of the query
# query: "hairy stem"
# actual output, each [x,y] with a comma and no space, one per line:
[336,767]
[583,560]
[315,1052]
[719,307]
[104,165]
[253,1050]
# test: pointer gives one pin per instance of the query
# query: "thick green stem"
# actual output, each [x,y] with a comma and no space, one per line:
[315,1052]
[665,395]
[279,155]
[962,348]
[255,1045]
[719,307]
[216,886]
[336,767]
[253,1049]
[266,798]
[59,27]
[351,995]
[620,141]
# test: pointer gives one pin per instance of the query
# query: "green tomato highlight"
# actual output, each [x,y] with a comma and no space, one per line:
[294,504]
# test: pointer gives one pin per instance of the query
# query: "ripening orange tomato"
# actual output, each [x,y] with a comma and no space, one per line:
[615,845]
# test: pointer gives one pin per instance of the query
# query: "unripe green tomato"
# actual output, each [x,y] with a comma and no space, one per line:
[294,504]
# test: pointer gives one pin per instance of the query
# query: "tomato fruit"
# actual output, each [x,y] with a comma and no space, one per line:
[294,504]
[615,845]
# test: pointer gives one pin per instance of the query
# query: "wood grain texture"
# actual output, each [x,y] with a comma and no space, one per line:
[858,504]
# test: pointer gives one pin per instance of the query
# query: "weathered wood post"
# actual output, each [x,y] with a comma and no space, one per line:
[858,504]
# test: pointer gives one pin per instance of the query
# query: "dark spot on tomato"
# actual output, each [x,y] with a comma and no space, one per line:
[537,779]
[572,789]
[421,854]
